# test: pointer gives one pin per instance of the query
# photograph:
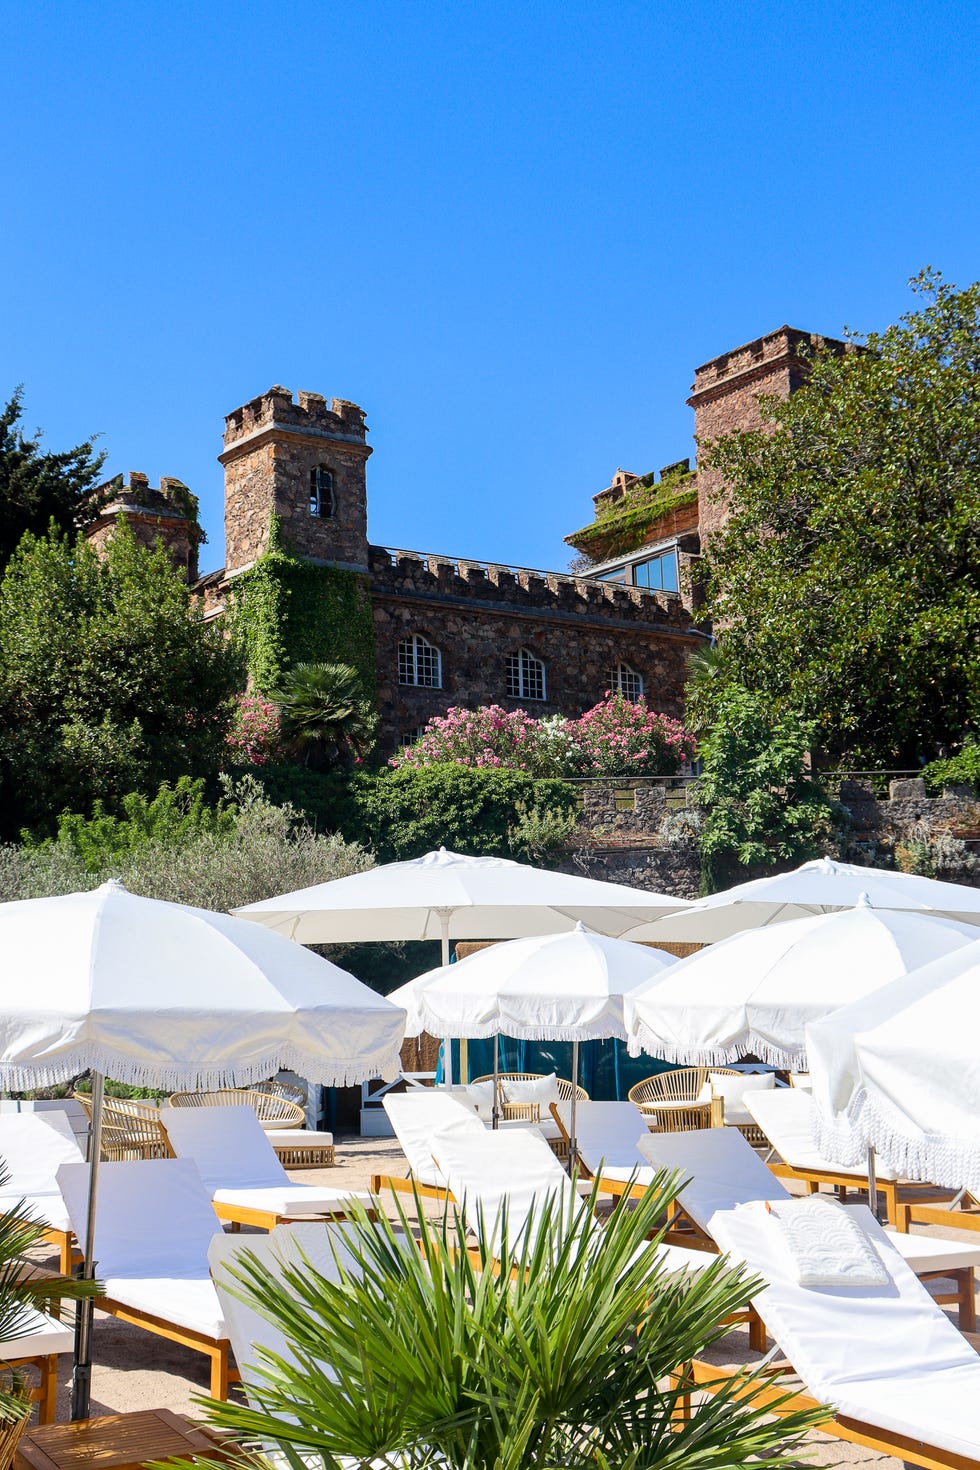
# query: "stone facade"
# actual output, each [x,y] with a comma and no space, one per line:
[272,448]
[477,615]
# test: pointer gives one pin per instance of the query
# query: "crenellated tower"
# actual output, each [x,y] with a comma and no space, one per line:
[306,464]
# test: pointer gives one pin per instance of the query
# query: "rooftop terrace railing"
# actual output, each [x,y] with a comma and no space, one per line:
[460,563]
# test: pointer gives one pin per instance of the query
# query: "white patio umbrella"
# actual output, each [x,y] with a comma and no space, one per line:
[755,992]
[449,896]
[818,887]
[164,995]
[558,987]
[898,1072]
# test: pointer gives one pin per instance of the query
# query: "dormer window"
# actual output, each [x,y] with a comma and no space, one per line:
[321,493]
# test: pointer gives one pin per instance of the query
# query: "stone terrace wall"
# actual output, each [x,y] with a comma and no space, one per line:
[476,615]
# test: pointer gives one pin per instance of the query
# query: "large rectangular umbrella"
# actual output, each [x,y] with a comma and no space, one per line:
[164,995]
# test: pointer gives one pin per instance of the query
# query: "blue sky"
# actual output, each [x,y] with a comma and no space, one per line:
[509,231]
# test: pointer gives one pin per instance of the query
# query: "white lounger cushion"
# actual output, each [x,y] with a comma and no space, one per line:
[417,1116]
[33,1146]
[37,1336]
[724,1171]
[606,1134]
[178,1299]
[238,1164]
[784,1117]
[888,1356]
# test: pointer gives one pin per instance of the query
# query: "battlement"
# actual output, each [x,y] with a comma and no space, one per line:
[779,349]
[308,415]
[420,575]
[172,499]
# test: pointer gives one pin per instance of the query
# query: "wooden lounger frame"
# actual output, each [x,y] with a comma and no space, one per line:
[217,1350]
[68,1253]
[239,1215]
[897,1209]
[399,1184]
[965,1216]
[706,1376]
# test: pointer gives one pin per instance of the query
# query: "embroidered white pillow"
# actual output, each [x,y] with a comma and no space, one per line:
[826,1245]
[733,1090]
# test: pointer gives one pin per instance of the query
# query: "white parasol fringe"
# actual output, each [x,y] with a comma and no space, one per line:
[951,1163]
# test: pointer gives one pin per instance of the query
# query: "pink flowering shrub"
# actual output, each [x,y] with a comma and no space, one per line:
[490,737]
[622,737]
[616,738]
[254,737]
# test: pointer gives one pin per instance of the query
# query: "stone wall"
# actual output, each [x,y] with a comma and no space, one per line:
[271,446]
[477,615]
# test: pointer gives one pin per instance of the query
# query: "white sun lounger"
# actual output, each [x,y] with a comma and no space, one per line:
[724,1171]
[784,1117]
[241,1171]
[33,1146]
[897,1374]
[518,1171]
[417,1116]
[39,1340]
[605,1136]
[153,1226]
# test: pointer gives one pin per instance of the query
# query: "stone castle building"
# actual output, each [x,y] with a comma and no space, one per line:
[441,632]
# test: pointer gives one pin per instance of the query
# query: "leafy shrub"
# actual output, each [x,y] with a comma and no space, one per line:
[489,738]
[759,802]
[958,770]
[404,813]
[175,816]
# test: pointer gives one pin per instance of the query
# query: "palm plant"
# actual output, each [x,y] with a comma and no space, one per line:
[425,1352]
[325,719]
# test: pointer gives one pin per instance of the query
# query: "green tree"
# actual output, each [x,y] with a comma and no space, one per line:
[110,682]
[846,583]
[38,487]
[325,719]
[418,1352]
[760,805]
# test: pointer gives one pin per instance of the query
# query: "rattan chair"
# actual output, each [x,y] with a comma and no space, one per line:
[531,1112]
[670,1100]
[288,1090]
[272,1111]
[130,1129]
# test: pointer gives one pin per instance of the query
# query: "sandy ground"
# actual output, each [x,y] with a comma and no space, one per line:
[134,1369]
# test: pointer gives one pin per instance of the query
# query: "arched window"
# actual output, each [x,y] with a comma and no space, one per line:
[321,492]
[626,681]
[419,662]
[525,676]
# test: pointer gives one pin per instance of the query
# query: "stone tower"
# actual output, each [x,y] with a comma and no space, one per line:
[725,396]
[305,463]
[167,515]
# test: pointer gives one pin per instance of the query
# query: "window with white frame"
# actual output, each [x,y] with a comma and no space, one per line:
[409,737]
[525,676]
[626,681]
[419,662]
[321,492]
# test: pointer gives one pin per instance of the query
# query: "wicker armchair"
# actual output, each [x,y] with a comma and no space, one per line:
[288,1090]
[130,1129]
[670,1103]
[531,1112]
[272,1111]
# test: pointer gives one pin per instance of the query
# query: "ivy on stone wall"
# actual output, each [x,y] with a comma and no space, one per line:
[286,611]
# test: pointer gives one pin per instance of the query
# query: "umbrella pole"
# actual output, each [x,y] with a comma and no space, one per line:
[447,1047]
[81,1378]
[495,1111]
[872,1182]
[573,1141]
